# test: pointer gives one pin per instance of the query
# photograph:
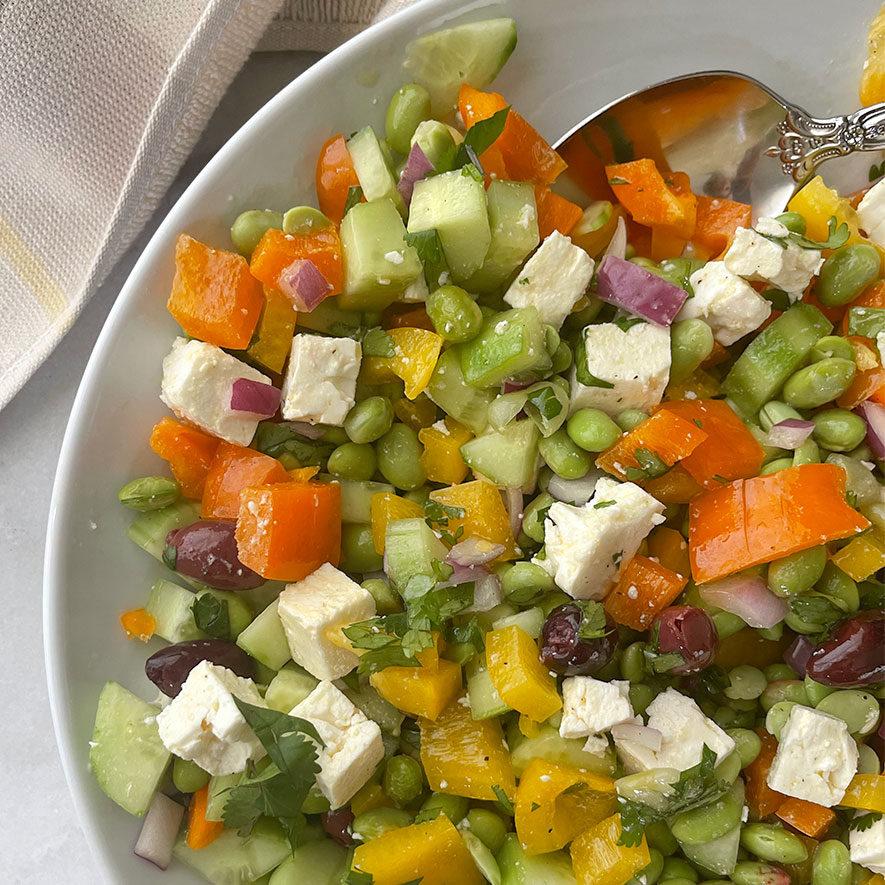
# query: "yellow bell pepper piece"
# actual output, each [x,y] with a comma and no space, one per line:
[369,797]
[385,508]
[273,337]
[699,385]
[417,413]
[415,356]
[872,82]
[485,515]
[464,756]
[528,727]
[860,558]
[442,451]
[599,860]
[817,204]
[517,673]
[433,852]
[866,792]
[554,803]
[878,879]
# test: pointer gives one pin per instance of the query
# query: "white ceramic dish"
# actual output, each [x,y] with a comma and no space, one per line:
[573,56]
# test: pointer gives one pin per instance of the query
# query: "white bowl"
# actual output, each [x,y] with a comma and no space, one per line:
[573,56]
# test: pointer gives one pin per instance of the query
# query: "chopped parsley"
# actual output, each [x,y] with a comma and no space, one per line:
[627,323]
[864,821]
[212,616]
[593,623]
[503,801]
[583,373]
[837,235]
[651,465]
[430,251]
[614,182]
[437,516]
[600,504]
[354,196]
[376,342]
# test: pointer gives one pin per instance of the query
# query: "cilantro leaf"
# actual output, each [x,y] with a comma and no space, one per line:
[651,465]
[469,632]
[430,251]
[376,342]
[478,138]
[212,616]
[583,373]
[627,323]
[593,624]
[437,516]
[354,196]
[473,169]
[616,181]
[864,821]
[279,439]
[546,402]
[837,235]
[816,610]
[601,504]
[170,556]
[503,801]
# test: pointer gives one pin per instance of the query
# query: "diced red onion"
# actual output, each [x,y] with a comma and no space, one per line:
[747,597]
[512,386]
[640,734]
[417,166]
[797,655]
[789,433]
[159,831]
[254,398]
[617,245]
[462,574]
[473,551]
[513,503]
[487,593]
[633,288]
[311,431]
[574,491]
[874,416]
[304,284]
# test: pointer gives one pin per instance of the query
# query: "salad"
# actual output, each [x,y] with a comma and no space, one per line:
[510,538]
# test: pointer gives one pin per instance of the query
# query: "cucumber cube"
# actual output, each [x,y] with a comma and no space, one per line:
[170,606]
[507,457]
[149,530]
[485,702]
[531,620]
[320,863]
[289,688]
[410,549]
[455,396]
[329,317]
[356,499]
[518,868]
[372,169]
[435,140]
[265,639]
[220,786]
[564,751]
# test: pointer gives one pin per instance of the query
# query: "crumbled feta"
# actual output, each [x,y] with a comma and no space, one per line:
[553,279]
[586,547]
[815,759]
[315,609]
[198,380]
[353,746]
[590,706]
[416,290]
[871,211]
[596,744]
[728,304]
[867,847]
[204,725]
[394,257]
[320,383]
[636,363]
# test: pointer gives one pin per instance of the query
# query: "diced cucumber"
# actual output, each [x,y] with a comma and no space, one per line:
[170,606]
[239,613]
[376,708]
[378,264]
[265,639]
[454,204]
[566,751]
[329,317]
[511,344]
[356,499]
[485,702]
[149,530]
[517,868]
[531,620]
[513,223]
[410,548]
[289,687]
[220,786]
[471,53]
[126,755]
[373,169]
[435,139]
[507,457]
[482,857]
[719,856]
[455,396]
[319,863]
[234,860]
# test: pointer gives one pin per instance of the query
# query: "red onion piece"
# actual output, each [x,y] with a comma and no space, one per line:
[633,288]
[639,734]
[303,283]
[797,655]
[311,431]
[512,386]
[790,433]
[617,245]
[417,166]
[513,503]
[473,551]
[159,831]
[874,416]
[487,593]
[255,398]
[747,597]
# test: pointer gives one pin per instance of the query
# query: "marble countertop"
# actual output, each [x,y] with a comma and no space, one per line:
[40,840]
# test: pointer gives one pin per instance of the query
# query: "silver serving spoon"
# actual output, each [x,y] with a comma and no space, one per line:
[734,137]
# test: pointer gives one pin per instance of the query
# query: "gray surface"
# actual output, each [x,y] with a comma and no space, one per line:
[40,840]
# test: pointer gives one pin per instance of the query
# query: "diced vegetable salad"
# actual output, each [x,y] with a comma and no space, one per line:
[509,538]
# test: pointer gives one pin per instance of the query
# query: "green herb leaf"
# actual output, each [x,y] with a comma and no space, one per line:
[545,400]
[651,465]
[503,801]
[535,806]
[617,557]
[484,133]
[472,169]
[583,373]
[170,556]
[626,323]
[376,342]
[614,182]
[837,236]
[278,439]
[593,624]
[469,632]
[354,196]
[864,821]
[601,504]
[212,616]
[429,248]
[816,610]
[524,281]
[698,423]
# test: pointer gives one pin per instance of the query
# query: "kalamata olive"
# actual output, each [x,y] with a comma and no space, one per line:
[207,552]
[337,825]
[853,655]
[169,668]
[690,632]
[564,651]
[797,654]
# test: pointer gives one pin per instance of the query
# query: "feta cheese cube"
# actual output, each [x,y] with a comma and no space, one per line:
[867,847]
[198,380]
[590,706]
[728,304]
[320,382]
[755,257]
[636,364]
[871,211]
[586,547]
[314,610]
[204,725]
[552,280]
[815,759]
[353,746]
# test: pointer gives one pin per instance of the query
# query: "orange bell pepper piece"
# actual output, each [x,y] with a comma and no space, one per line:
[303,474]
[644,589]
[484,514]
[866,792]
[386,507]
[441,457]
[201,832]
[670,549]
[277,250]
[665,243]
[598,859]
[586,165]
[189,452]
[214,297]
[751,521]
[335,176]
[717,220]
[286,531]
[233,469]
[676,486]
[273,337]
[138,624]
[761,799]
[555,212]
[807,817]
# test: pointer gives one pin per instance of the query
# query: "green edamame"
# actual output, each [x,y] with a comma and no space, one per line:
[592,430]
[747,682]
[353,461]
[773,634]
[727,624]
[776,718]
[562,358]
[846,273]
[487,827]
[453,807]
[409,106]
[778,672]
[798,572]
[729,768]
[399,457]
[387,600]
[660,838]
[149,493]
[651,872]
[775,466]
[860,480]
[358,552]
[691,342]
[725,717]
[632,662]
[525,581]
[403,779]
[748,744]
[838,430]
[315,802]
[783,690]
[774,412]
[677,868]
[630,418]
[533,516]
[830,346]
[831,864]
[839,588]
[251,226]
[641,695]
[454,314]
[378,821]
[300,220]
[867,760]
[369,419]
[792,221]
[773,843]
[859,710]
[807,453]
[187,776]
[679,880]
[817,692]
[819,383]
[750,872]
[563,457]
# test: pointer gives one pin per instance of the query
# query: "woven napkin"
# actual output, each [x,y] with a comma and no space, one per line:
[101,102]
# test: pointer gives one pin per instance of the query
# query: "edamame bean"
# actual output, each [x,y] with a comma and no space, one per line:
[630,418]
[487,827]
[563,457]
[403,779]
[729,768]
[334,435]
[859,710]
[831,864]
[860,480]
[819,383]
[358,552]
[525,581]
[774,412]
[187,776]
[301,220]
[650,873]
[592,430]
[369,420]
[251,226]
[641,695]
[775,466]
[725,717]
[680,880]
[315,802]
[839,588]
[792,221]
[832,345]
[533,517]
[750,872]
[353,461]
[747,682]
[677,868]
[776,718]
[660,838]
[691,342]
[562,358]
[632,662]
[149,493]
[798,572]
[387,600]
[868,760]
[778,672]
[748,744]
[727,624]
[807,453]
[846,273]
[773,843]
[409,106]
[707,823]
[454,314]
[399,457]
[817,692]
[838,430]
[453,807]
[771,633]
[378,821]
[783,690]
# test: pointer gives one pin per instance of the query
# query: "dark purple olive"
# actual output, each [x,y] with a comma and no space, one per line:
[853,655]
[563,651]
[207,552]
[688,631]
[169,667]
[797,654]
[337,825]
